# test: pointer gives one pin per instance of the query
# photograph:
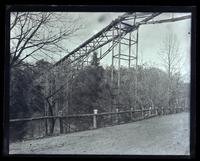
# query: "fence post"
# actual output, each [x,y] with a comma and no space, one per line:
[149,111]
[95,119]
[117,119]
[142,112]
[61,125]
[175,109]
[32,130]
[61,121]
[156,111]
[162,111]
[131,113]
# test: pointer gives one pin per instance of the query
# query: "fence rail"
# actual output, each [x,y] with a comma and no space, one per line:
[97,120]
[75,115]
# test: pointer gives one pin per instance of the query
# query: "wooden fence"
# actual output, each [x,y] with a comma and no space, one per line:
[98,120]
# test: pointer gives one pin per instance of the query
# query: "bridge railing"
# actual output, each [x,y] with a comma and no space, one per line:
[36,127]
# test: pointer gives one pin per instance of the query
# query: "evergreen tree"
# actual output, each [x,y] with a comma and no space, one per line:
[95,61]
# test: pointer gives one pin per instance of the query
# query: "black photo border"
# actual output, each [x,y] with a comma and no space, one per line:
[102,8]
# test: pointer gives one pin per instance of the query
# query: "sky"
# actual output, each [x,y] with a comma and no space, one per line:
[150,37]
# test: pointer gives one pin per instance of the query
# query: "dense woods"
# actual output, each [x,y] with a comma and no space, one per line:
[43,89]
[90,89]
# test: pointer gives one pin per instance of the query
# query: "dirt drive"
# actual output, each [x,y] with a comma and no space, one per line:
[162,135]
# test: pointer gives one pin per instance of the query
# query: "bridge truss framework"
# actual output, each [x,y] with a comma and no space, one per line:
[122,31]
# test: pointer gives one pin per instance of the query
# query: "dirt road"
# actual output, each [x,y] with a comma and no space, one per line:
[162,135]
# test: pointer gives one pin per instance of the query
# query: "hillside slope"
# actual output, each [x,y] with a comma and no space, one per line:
[160,135]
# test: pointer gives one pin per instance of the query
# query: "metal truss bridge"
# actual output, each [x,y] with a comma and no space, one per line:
[123,31]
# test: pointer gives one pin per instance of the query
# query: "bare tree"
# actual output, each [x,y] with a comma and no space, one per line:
[171,59]
[170,55]
[36,33]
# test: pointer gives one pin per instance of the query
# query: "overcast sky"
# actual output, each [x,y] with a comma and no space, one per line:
[150,37]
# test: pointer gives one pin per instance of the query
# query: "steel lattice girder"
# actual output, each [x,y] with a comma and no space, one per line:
[77,57]
[105,36]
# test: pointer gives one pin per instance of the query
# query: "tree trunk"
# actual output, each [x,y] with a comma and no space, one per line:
[52,120]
